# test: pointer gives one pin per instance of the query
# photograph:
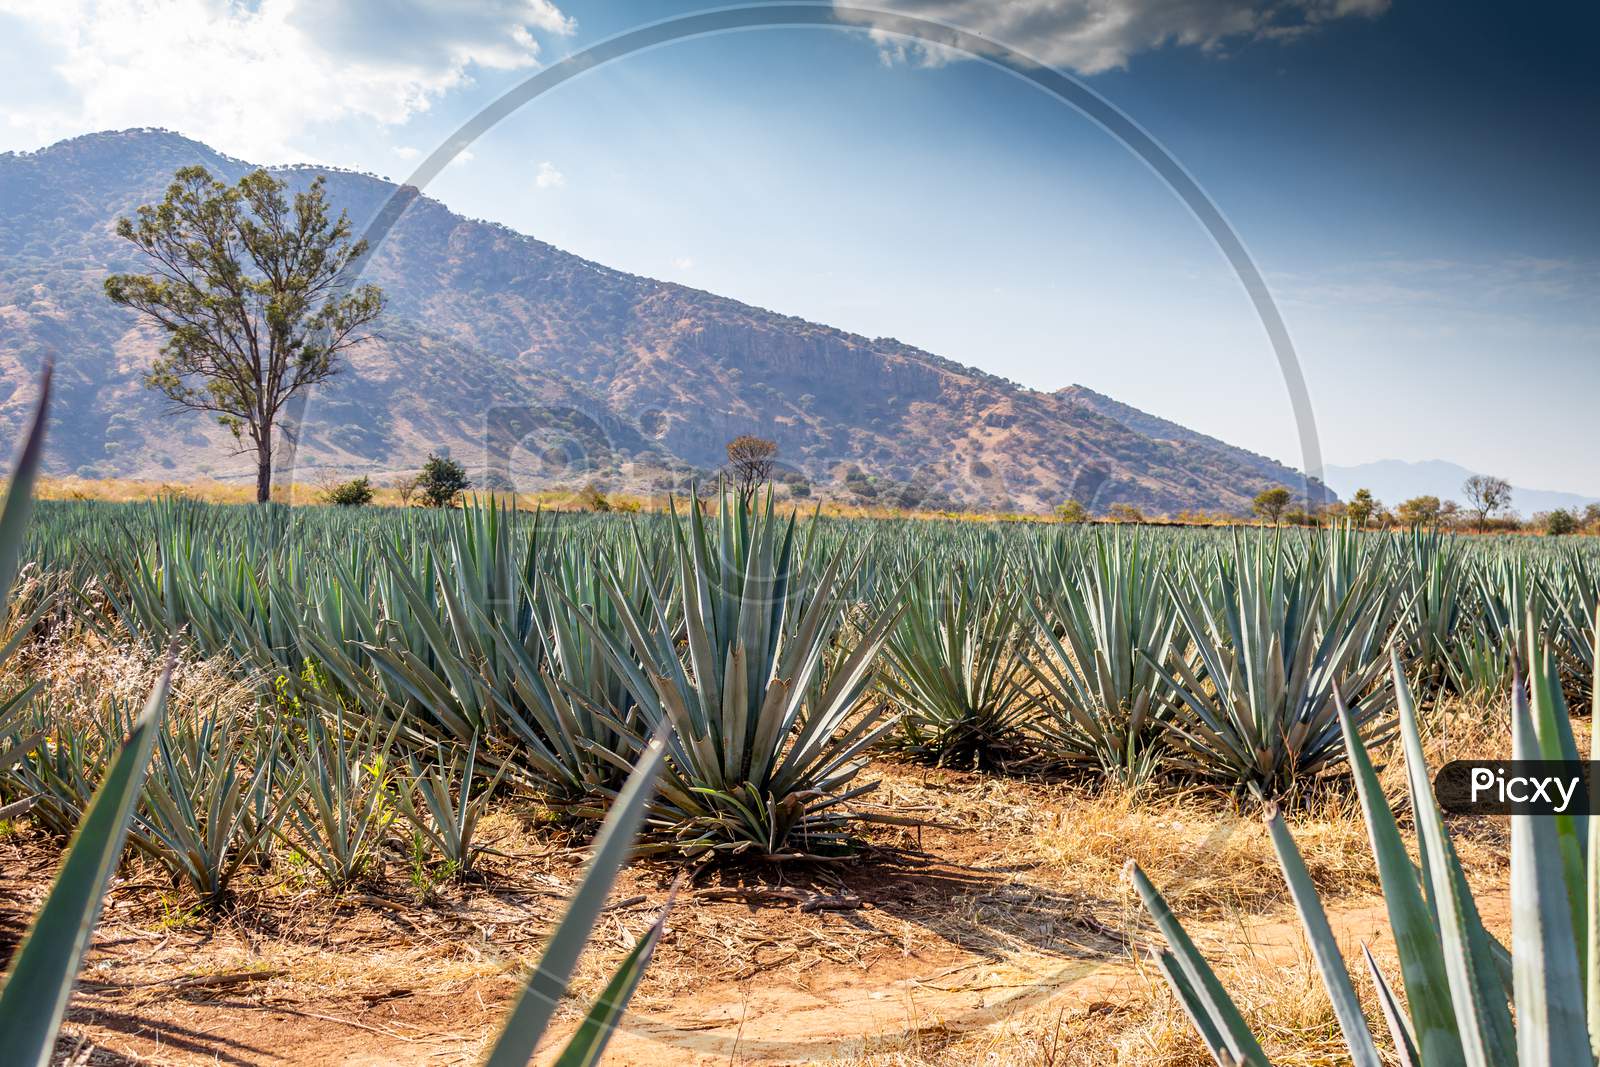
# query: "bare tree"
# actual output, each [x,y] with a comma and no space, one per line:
[250,289]
[752,459]
[1486,495]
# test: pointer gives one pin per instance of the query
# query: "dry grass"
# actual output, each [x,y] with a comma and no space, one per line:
[999,932]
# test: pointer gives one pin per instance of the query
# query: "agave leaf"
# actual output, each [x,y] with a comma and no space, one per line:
[1357,1036]
[1404,1045]
[34,996]
[547,983]
[594,1033]
[1232,1033]
[1550,1000]
[1415,933]
[1592,912]
[19,498]
[1476,988]
[1193,1006]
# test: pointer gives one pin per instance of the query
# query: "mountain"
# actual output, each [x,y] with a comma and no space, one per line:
[1202,450]
[535,367]
[1394,480]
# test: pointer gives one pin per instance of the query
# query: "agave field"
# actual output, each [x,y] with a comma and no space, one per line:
[412,668]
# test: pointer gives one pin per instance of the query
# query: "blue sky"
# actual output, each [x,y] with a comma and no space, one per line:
[1415,180]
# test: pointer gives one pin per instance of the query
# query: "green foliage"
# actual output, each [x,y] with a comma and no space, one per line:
[441,481]
[216,794]
[1457,1007]
[1560,522]
[1072,512]
[355,493]
[1274,634]
[1419,511]
[953,664]
[767,736]
[1103,625]
[339,810]
[38,982]
[248,289]
[1270,503]
[451,803]
[1362,508]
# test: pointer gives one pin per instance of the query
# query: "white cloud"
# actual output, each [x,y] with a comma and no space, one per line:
[249,78]
[1091,36]
[549,177]
[406,152]
[683,263]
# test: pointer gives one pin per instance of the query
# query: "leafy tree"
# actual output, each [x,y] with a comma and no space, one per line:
[751,459]
[1419,511]
[441,481]
[1072,512]
[250,291]
[1559,522]
[1124,513]
[1363,507]
[1486,495]
[1591,516]
[1270,503]
[355,493]
[591,498]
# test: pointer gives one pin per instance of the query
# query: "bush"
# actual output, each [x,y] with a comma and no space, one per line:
[590,498]
[1559,522]
[441,481]
[355,493]
[1072,512]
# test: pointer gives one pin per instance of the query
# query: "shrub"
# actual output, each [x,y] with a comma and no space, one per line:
[441,481]
[590,498]
[1072,512]
[355,493]
[1559,522]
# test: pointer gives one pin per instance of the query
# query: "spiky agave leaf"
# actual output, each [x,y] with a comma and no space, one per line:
[1106,621]
[547,983]
[767,732]
[954,666]
[34,994]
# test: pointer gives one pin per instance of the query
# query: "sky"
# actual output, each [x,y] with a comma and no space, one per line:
[1414,179]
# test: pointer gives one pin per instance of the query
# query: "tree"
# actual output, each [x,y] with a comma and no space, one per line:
[1419,511]
[1072,512]
[1559,522]
[1269,503]
[752,459]
[251,293]
[441,481]
[1486,495]
[352,494]
[1362,508]
[407,487]
[1124,513]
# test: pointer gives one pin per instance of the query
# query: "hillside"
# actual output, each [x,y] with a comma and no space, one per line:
[536,367]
